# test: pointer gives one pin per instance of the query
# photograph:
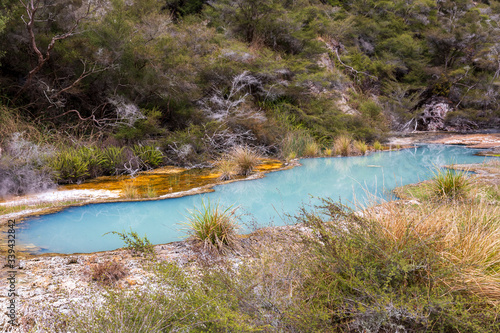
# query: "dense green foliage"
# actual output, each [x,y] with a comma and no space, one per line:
[197,78]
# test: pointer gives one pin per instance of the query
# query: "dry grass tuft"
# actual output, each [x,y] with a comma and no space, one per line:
[311,149]
[465,235]
[226,167]
[342,145]
[108,273]
[130,192]
[245,159]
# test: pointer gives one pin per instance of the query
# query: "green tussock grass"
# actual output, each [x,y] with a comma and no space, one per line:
[213,226]
[449,183]
[361,147]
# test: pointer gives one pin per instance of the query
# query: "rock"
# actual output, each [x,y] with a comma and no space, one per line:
[70,285]
[132,281]
[343,106]
[432,118]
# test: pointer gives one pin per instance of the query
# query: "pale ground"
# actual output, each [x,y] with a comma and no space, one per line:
[56,195]
[470,140]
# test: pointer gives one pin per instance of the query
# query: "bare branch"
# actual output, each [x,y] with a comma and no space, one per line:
[31,7]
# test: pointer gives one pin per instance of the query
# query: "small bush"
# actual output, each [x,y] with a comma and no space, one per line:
[311,149]
[70,166]
[108,273]
[149,155]
[342,145]
[135,243]
[295,144]
[423,268]
[112,160]
[245,159]
[213,226]
[449,183]
[377,146]
[328,152]
[93,156]
[361,147]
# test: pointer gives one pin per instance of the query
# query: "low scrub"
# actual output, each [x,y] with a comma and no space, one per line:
[70,166]
[150,156]
[134,243]
[108,273]
[397,267]
[212,226]
[112,160]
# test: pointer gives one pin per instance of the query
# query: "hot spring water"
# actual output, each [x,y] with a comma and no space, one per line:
[263,201]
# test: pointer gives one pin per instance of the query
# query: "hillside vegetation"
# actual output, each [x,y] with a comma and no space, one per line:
[192,79]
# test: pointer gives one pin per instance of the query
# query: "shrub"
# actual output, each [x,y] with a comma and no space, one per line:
[213,226]
[70,166]
[370,108]
[449,183]
[377,146]
[342,145]
[245,159]
[361,147]
[295,144]
[112,160]
[108,272]
[135,243]
[311,149]
[93,156]
[149,155]
[416,268]
[215,304]
[328,152]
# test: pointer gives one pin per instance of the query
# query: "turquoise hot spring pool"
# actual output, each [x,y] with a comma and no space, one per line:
[262,202]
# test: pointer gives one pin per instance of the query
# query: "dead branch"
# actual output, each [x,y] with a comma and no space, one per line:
[31,7]
[352,69]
